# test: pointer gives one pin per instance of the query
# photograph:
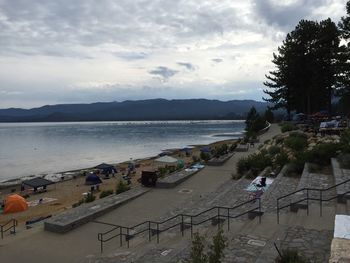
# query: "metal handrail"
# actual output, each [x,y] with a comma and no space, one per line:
[308,198]
[125,231]
[13,226]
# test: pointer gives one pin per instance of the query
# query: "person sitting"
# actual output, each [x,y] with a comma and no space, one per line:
[262,182]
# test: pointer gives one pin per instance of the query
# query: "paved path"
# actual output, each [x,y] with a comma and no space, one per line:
[81,244]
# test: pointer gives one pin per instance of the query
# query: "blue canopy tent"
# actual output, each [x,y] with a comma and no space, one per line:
[92,179]
[106,168]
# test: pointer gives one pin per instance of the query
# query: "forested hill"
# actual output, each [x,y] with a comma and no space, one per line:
[154,109]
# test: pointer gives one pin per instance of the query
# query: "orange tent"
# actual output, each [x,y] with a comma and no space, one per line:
[15,203]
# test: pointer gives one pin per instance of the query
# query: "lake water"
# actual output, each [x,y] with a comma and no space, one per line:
[39,148]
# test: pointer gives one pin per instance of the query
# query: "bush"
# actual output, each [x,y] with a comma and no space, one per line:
[195,158]
[296,143]
[345,141]
[273,150]
[243,166]
[281,159]
[121,187]
[197,254]
[106,193]
[285,127]
[255,162]
[216,249]
[90,197]
[321,154]
[279,140]
[205,156]
[232,147]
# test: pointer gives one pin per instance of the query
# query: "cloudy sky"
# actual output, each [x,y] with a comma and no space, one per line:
[64,51]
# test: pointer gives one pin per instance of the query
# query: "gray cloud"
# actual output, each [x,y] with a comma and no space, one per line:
[187,65]
[131,55]
[286,16]
[163,72]
[217,60]
[35,26]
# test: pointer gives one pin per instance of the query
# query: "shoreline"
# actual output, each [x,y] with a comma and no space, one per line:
[8,183]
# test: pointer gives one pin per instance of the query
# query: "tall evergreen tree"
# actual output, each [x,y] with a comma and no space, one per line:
[344,78]
[306,68]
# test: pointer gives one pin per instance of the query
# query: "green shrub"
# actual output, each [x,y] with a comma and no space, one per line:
[243,166]
[236,176]
[106,193]
[232,147]
[279,140]
[274,150]
[205,156]
[321,154]
[90,197]
[281,159]
[216,251]
[197,254]
[255,162]
[195,158]
[345,141]
[291,256]
[296,143]
[121,187]
[285,127]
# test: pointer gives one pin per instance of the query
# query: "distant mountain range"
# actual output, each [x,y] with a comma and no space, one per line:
[153,109]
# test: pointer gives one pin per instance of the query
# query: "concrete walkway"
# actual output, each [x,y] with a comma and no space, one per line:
[80,244]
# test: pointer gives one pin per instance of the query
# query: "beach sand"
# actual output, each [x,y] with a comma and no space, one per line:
[69,192]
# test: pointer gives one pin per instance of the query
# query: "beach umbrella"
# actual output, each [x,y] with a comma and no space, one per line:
[92,179]
[167,160]
[14,204]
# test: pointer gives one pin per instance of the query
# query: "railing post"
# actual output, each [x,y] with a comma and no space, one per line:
[182,224]
[14,225]
[259,210]
[218,218]
[99,237]
[2,233]
[157,233]
[149,231]
[307,201]
[127,234]
[228,219]
[321,203]
[121,236]
[191,227]
[278,212]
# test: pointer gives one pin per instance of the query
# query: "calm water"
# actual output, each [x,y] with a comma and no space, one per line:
[36,148]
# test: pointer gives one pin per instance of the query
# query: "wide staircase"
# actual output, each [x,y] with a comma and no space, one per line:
[294,213]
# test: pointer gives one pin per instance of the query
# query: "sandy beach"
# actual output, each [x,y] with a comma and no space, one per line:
[62,195]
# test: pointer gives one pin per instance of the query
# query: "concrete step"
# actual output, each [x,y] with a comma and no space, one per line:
[314,220]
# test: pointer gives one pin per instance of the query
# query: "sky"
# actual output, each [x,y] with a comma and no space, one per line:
[82,51]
